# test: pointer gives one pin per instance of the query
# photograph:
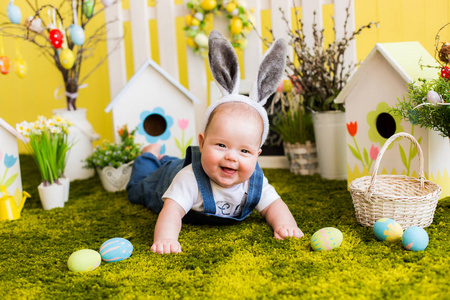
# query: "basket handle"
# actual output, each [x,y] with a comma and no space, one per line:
[380,156]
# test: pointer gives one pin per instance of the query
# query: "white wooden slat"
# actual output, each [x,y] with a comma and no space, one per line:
[140,32]
[168,57]
[253,52]
[340,14]
[197,85]
[308,9]
[117,69]
[279,26]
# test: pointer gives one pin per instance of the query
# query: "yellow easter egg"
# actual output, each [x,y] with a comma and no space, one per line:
[21,68]
[195,22]
[236,26]
[230,7]
[190,42]
[209,4]
[188,20]
[66,58]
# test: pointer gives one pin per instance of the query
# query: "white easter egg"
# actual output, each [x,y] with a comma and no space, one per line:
[201,40]
[433,97]
[199,16]
[107,3]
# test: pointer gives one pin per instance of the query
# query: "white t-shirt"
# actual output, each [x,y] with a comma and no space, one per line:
[229,201]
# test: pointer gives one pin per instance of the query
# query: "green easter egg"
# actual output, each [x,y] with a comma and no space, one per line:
[84,260]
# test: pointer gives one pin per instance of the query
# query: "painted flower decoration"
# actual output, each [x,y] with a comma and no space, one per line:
[352,128]
[155,125]
[10,160]
[382,124]
[183,123]
[374,152]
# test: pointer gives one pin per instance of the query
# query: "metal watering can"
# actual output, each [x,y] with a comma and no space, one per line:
[8,207]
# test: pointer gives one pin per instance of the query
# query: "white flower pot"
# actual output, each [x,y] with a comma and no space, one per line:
[51,196]
[65,181]
[329,131]
[113,179]
[82,134]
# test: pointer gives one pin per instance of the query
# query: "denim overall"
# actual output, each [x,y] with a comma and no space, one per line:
[148,189]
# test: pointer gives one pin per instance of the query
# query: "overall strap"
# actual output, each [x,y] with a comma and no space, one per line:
[193,156]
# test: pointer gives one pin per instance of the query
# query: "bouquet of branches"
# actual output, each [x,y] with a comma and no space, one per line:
[113,154]
[320,71]
[290,120]
[48,145]
[427,103]
[59,33]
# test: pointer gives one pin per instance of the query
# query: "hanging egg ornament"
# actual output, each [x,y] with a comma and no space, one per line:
[5,64]
[88,8]
[76,33]
[66,58]
[107,3]
[14,13]
[433,97]
[21,68]
[35,24]
[445,73]
[56,38]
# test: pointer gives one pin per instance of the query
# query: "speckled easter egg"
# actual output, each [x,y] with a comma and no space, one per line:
[84,260]
[386,229]
[116,249]
[327,238]
[415,239]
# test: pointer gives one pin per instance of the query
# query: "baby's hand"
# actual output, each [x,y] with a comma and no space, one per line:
[287,231]
[166,246]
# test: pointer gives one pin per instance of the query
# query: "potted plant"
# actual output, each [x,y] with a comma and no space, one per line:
[321,73]
[427,103]
[113,161]
[293,123]
[65,35]
[49,147]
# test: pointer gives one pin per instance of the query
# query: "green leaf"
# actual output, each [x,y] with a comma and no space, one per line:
[355,153]
[178,144]
[11,180]
[403,155]
[189,142]
[366,156]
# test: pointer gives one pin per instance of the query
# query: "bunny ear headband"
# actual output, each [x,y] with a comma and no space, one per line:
[224,66]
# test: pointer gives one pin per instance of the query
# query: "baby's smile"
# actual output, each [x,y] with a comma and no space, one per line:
[228,171]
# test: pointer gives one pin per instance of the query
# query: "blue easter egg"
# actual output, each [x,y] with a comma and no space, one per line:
[386,229]
[327,238]
[76,33]
[116,249]
[415,239]
[14,13]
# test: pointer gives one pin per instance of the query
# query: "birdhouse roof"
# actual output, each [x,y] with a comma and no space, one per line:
[150,63]
[11,130]
[405,58]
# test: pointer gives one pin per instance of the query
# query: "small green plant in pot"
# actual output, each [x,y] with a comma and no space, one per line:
[113,161]
[293,123]
[427,103]
[49,146]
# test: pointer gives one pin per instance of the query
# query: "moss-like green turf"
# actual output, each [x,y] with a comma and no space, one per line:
[241,261]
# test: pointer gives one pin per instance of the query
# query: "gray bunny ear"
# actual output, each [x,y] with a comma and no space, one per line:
[270,72]
[223,63]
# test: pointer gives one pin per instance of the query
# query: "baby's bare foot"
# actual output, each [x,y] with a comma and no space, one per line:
[154,149]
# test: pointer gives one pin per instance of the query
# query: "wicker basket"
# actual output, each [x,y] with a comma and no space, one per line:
[409,201]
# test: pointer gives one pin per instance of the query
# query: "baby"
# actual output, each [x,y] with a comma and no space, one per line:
[220,181]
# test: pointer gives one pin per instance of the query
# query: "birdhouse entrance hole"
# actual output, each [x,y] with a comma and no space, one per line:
[386,126]
[155,124]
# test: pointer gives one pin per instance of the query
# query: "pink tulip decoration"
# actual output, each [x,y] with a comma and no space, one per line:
[183,123]
[374,152]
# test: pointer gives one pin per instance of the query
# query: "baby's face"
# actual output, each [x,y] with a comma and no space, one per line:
[230,148]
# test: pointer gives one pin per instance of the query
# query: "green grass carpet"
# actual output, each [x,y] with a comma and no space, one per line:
[242,261]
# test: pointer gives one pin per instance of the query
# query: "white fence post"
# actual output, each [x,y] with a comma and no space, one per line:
[116,48]
[308,9]
[140,32]
[168,57]
[340,14]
